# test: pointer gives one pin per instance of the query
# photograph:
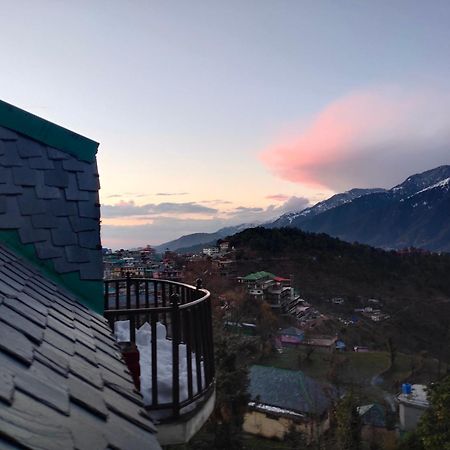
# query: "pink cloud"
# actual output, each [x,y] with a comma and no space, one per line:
[361,137]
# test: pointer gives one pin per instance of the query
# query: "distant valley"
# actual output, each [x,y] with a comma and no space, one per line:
[415,213]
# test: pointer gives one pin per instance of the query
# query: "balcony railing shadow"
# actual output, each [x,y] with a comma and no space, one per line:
[185,312]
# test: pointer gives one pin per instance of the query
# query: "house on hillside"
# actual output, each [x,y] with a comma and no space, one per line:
[291,336]
[285,399]
[64,383]
[374,426]
[266,286]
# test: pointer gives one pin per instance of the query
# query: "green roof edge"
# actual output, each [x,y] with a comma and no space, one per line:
[42,130]
[88,292]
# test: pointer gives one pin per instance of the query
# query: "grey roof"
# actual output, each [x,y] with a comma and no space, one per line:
[288,389]
[51,198]
[63,384]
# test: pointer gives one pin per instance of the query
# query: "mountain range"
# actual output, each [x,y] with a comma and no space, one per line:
[415,213]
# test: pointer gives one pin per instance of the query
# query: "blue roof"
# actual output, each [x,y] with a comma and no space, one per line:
[289,389]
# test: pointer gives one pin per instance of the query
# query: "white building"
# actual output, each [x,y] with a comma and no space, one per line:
[412,406]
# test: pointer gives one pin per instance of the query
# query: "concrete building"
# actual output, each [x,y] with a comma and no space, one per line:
[412,404]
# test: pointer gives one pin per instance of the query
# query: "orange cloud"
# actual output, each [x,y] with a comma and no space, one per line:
[354,138]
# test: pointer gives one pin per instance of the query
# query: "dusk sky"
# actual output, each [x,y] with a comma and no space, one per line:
[211,113]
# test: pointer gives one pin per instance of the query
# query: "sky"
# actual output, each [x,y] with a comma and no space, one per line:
[212,113]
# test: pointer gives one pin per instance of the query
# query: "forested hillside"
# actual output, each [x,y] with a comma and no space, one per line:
[414,287]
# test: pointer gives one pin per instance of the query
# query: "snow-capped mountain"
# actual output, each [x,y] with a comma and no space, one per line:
[336,200]
[415,213]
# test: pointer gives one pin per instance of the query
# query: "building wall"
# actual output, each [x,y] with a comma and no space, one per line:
[273,427]
[260,424]
[409,416]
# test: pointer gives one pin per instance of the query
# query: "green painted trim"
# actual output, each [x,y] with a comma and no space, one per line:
[88,292]
[47,132]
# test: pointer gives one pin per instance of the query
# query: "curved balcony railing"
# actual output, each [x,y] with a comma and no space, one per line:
[185,311]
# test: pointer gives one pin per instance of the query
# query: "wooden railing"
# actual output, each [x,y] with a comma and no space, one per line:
[185,311]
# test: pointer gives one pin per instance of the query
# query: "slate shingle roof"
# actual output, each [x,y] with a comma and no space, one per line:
[288,389]
[63,384]
[51,198]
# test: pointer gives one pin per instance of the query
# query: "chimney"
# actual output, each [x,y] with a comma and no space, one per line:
[49,203]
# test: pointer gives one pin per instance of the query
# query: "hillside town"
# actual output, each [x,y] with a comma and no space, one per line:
[304,344]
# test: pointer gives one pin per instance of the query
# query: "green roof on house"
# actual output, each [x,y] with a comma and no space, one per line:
[256,276]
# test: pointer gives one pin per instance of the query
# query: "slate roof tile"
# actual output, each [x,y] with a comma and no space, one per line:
[86,353]
[73,165]
[44,221]
[56,154]
[127,436]
[89,239]
[47,393]
[60,236]
[16,344]
[67,321]
[89,210]
[87,396]
[23,309]
[88,181]
[6,289]
[84,340]
[36,295]
[30,302]
[88,430]
[73,191]
[120,385]
[34,332]
[46,250]
[28,234]
[11,280]
[29,425]
[83,369]
[62,208]
[29,203]
[11,157]
[127,410]
[63,266]
[24,176]
[28,148]
[6,385]
[83,224]
[53,358]
[77,254]
[56,178]
[40,163]
[8,187]
[21,323]
[59,341]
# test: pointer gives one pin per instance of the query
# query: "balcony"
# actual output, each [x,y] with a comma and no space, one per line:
[170,345]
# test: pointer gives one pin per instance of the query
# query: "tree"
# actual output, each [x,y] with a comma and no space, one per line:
[231,387]
[392,349]
[434,428]
[348,424]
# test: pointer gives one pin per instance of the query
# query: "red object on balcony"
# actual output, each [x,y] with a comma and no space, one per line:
[131,357]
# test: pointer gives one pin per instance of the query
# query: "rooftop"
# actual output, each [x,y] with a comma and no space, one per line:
[64,384]
[288,389]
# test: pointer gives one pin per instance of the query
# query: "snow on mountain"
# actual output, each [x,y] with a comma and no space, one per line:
[332,202]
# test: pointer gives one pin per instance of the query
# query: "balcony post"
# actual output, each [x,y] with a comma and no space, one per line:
[174,299]
[128,290]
